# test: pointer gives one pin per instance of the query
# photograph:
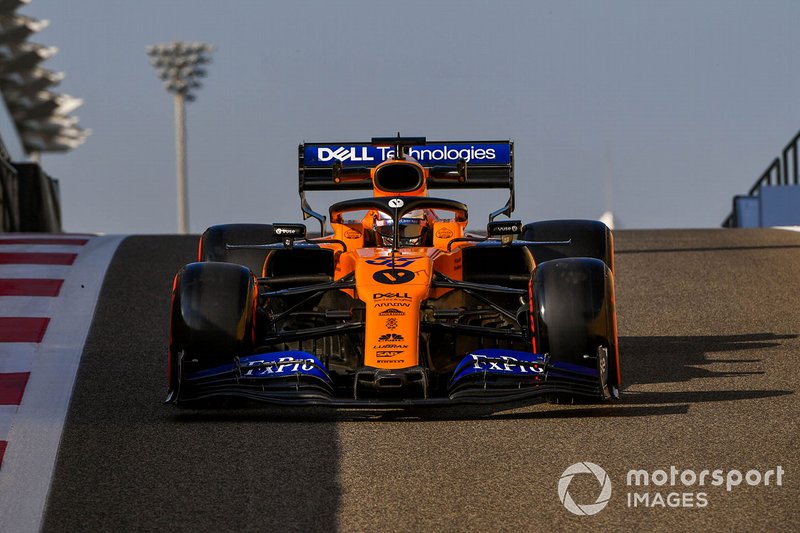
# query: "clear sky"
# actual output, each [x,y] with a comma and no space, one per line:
[679,104]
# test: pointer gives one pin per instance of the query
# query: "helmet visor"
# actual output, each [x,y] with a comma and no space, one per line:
[410,231]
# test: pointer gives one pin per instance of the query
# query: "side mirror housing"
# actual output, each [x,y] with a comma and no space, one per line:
[505,229]
[288,233]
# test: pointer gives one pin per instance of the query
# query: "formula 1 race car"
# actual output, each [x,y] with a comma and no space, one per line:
[399,304]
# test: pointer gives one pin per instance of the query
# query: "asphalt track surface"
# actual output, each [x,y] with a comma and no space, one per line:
[709,325]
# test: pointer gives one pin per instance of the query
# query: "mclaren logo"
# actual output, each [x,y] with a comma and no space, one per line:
[393,276]
[354,153]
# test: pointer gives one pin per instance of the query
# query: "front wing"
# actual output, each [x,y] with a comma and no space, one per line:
[482,377]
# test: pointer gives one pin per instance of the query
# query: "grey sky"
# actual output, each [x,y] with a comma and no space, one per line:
[682,103]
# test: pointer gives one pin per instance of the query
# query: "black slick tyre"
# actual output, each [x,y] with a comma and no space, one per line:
[213,316]
[573,315]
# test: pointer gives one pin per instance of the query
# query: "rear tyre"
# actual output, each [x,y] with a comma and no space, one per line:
[573,314]
[212,318]
[589,238]
[214,241]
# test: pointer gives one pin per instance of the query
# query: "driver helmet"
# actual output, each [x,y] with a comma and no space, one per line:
[413,229]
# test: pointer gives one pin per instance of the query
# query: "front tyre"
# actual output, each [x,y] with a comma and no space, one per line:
[213,316]
[573,315]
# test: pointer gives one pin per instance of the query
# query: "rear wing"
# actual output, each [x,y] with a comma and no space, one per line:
[480,165]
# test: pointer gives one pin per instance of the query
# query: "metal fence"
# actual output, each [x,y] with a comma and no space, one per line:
[782,171]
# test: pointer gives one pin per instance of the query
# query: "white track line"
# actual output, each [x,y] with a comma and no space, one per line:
[26,306]
[34,271]
[17,357]
[36,429]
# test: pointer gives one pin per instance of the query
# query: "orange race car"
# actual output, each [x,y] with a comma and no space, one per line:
[398,304]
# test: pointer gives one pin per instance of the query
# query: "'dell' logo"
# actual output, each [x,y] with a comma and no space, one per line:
[344,154]
[566,498]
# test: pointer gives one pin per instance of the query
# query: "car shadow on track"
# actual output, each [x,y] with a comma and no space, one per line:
[675,359]
[678,359]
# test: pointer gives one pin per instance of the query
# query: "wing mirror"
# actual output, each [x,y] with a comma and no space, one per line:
[288,233]
[505,229]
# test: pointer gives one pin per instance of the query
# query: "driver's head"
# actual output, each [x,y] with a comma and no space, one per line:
[413,229]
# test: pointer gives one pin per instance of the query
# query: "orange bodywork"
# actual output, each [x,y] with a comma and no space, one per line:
[394,284]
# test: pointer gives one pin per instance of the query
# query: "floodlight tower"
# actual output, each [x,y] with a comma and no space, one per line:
[180,65]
